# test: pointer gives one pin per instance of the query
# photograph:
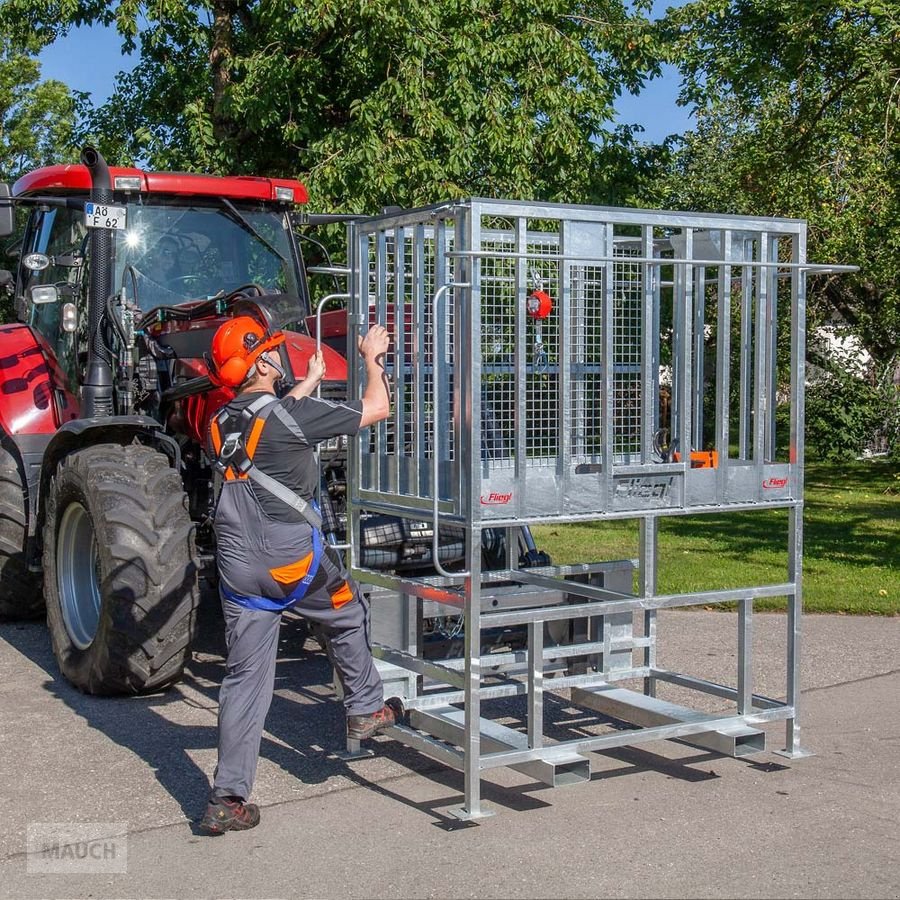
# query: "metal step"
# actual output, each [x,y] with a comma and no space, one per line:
[639,709]
[448,724]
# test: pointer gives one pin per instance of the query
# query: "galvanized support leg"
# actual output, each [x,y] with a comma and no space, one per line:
[535,684]
[649,534]
[792,749]
[472,808]
[745,656]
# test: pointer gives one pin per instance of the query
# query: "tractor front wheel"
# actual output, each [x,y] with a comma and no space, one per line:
[120,570]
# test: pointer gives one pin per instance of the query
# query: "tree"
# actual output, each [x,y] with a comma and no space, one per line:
[373,101]
[798,108]
[37,118]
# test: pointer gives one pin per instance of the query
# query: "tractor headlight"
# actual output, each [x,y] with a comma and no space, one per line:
[44,293]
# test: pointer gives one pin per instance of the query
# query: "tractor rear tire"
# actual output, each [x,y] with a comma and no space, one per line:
[120,570]
[20,590]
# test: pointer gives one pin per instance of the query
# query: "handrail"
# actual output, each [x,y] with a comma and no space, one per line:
[319,306]
[435,461]
[329,270]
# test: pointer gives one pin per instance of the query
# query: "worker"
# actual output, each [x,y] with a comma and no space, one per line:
[271,555]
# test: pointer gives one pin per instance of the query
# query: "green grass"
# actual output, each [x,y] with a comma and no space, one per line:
[851,559]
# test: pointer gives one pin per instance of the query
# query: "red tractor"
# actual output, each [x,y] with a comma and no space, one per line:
[106,490]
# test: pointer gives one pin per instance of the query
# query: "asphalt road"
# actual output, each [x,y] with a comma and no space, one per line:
[659,820]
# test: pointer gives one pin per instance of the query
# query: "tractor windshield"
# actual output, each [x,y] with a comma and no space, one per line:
[175,251]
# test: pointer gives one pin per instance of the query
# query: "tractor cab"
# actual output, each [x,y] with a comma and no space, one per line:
[178,250]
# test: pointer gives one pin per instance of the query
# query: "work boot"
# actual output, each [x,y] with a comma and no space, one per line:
[361,727]
[229,814]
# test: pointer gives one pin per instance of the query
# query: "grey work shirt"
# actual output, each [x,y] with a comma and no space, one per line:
[283,456]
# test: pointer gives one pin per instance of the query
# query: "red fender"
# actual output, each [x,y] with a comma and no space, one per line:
[34,395]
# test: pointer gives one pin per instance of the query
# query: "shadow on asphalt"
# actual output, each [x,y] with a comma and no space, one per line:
[305,730]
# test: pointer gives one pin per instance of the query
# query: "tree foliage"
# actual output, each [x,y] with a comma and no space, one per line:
[372,101]
[37,118]
[798,110]
[37,121]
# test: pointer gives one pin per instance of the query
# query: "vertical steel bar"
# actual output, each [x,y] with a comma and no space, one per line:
[655,344]
[467,390]
[795,609]
[723,368]
[535,684]
[520,381]
[578,354]
[358,252]
[747,282]
[418,292]
[649,366]
[745,656]
[564,467]
[381,277]
[607,405]
[398,470]
[761,344]
[698,364]
[772,350]
[682,352]
[472,737]
[467,413]
[795,528]
[647,553]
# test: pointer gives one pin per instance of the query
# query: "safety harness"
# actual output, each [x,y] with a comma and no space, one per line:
[235,437]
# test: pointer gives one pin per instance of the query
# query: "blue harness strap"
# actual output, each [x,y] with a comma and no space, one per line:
[295,596]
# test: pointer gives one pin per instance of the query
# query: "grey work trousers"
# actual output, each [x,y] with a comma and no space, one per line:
[251,636]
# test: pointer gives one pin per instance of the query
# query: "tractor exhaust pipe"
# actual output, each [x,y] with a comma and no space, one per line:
[96,392]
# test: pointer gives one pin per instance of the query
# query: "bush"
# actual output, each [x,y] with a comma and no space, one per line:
[843,416]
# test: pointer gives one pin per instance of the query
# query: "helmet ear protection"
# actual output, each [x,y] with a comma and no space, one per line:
[236,346]
[233,372]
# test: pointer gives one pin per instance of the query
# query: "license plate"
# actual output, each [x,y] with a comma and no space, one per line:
[99,215]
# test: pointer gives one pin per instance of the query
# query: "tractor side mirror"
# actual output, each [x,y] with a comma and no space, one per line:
[7,213]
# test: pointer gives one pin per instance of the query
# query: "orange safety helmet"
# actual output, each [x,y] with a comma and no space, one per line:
[236,346]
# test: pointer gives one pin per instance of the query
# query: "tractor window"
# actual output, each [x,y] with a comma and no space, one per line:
[171,254]
[57,233]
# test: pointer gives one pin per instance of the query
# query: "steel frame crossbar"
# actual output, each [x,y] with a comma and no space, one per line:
[648,389]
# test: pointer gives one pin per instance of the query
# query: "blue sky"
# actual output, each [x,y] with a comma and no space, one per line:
[89,58]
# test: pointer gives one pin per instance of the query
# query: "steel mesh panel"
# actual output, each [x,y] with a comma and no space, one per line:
[498,351]
[401,268]
[542,347]
[586,348]
[502,312]
[627,331]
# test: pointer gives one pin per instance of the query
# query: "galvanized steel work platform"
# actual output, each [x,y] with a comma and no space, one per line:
[555,364]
